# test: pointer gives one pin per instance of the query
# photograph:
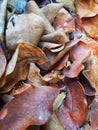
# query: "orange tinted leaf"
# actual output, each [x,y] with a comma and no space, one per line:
[86,8]
[91,26]
[65,21]
[33,106]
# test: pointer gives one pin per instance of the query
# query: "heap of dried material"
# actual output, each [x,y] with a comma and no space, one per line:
[48,65]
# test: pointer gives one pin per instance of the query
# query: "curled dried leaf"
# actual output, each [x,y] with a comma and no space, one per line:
[88,8]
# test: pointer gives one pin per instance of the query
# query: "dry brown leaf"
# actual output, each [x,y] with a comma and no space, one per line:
[50,10]
[78,54]
[32,107]
[24,27]
[72,112]
[33,7]
[65,21]
[90,26]
[86,8]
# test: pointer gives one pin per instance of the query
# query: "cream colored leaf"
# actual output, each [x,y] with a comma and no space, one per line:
[50,10]
[24,27]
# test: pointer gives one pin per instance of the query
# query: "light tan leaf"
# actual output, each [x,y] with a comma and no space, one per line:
[69,4]
[50,10]
[24,27]
[33,7]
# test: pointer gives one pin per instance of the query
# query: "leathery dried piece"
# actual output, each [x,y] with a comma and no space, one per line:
[88,8]
[78,54]
[33,106]
[72,113]
[65,21]
[24,27]
[18,67]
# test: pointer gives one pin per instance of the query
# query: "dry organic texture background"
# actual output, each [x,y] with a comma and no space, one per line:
[48,65]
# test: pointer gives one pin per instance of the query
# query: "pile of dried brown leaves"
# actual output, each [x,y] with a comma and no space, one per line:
[49,65]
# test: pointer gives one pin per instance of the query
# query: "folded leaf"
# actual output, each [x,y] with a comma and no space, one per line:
[24,27]
[33,7]
[33,106]
[50,10]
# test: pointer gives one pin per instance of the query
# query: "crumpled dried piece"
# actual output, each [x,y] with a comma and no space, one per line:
[90,26]
[69,4]
[86,8]
[33,106]
[24,27]
[65,21]
[18,67]
[94,114]
[25,51]
[92,71]
[50,10]
[78,54]
[72,112]
[2,61]
[3,6]
[36,79]
[33,7]
[56,39]
[54,58]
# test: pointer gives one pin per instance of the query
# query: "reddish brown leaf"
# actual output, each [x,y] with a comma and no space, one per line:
[33,106]
[65,21]
[72,113]
[78,54]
